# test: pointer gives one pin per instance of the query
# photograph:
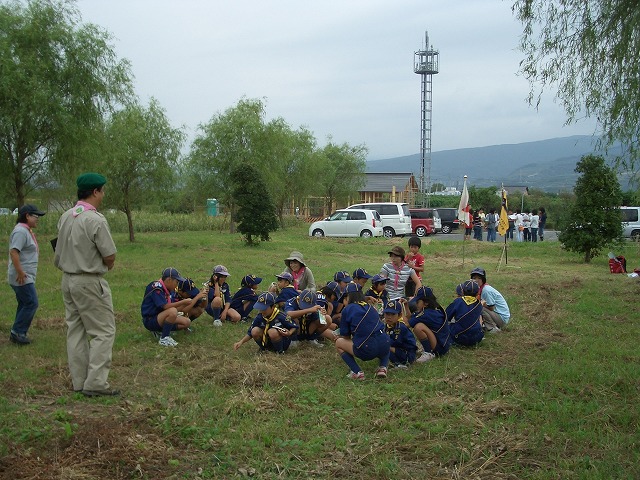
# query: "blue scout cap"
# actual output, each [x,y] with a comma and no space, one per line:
[265,300]
[361,273]
[468,287]
[392,306]
[286,276]
[30,210]
[377,278]
[422,293]
[188,287]
[342,277]
[350,288]
[321,300]
[172,273]
[250,280]
[335,288]
[307,298]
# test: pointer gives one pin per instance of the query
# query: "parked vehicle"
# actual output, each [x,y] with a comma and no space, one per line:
[449,219]
[348,223]
[5,211]
[424,221]
[395,217]
[631,222]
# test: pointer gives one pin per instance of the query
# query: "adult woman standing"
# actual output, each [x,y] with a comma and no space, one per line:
[397,273]
[23,266]
[542,223]
[302,275]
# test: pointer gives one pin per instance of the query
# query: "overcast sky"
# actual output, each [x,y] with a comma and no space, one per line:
[338,67]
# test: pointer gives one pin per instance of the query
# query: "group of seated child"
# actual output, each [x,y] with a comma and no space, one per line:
[363,323]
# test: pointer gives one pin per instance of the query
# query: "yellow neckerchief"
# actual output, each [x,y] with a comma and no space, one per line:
[395,329]
[268,320]
[469,300]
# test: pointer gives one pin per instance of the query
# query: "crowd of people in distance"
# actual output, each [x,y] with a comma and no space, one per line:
[524,226]
[396,319]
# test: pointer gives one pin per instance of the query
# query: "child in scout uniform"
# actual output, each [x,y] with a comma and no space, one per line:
[342,278]
[430,325]
[465,314]
[219,298]
[271,329]
[361,277]
[243,300]
[331,293]
[403,343]
[284,290]
[310,317]
[188,289]
[362,334]
[377,294]
[160,313]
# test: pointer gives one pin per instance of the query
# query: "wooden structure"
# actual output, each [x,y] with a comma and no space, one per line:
[389,187]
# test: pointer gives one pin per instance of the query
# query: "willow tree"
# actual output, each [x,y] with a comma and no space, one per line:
[57,79]
[587,50]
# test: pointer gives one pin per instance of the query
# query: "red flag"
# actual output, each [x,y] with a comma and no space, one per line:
[463,207]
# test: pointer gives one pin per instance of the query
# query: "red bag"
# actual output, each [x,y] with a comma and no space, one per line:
[618,264]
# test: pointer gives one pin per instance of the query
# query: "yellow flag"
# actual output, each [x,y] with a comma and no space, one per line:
[503,224]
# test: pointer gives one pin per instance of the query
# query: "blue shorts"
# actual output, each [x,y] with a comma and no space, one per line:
[402,356]
[151,324]
[375,347]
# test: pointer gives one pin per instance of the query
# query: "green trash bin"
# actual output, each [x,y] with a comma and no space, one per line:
[212,207]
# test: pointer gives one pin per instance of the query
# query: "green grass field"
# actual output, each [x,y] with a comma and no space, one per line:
[553,396]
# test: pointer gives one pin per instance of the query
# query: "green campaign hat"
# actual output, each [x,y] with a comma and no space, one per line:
[90,180]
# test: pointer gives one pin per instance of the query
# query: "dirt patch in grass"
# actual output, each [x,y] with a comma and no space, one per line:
[101,442]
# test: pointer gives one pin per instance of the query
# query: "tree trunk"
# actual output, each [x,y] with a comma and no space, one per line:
[587,256]
[127,211]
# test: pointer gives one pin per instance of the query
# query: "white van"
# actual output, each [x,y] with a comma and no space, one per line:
[396,219]
[631,222]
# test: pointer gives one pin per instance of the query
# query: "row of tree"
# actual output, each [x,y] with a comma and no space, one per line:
[67,105]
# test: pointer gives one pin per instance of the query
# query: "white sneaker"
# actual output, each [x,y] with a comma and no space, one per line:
[402,366]
[294,344]
[316,343]
[167,342]
[217,322]
[425,357]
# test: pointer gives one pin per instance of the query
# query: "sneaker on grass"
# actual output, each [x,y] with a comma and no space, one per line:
[217,322]
[381,372]
[167,342]
[316,343]
[356,376]
[425,357]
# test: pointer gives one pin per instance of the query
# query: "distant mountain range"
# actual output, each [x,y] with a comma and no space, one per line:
[545,164]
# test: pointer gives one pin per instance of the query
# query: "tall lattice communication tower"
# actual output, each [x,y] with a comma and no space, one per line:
[426,65]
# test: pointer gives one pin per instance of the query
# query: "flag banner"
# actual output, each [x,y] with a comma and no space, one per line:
[503,224]
[463,207]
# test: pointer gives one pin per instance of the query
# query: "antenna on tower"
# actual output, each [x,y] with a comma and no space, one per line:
[426,65]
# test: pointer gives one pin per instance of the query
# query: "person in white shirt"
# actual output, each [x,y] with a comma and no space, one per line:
[519,226]
[535,219]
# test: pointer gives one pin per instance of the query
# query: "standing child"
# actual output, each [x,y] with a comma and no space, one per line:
[243,300]
[464,315]
[361,334]
[430,325]
[271,329]
[416,261]
[403,343]
[219,298]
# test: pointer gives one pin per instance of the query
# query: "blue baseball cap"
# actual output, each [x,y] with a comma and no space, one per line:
[377,278]
[172,273]
[361,273]
[250,280]
[265,300]
[221,270]
[392,306]
[423,293]
[342,277]
[468,287]
[285,276]
[307,298]
[335,288]
[188,287]
[321,300]
[350,288]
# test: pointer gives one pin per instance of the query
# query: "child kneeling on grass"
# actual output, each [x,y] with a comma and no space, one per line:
[430,325]
[311,318]
[160,314]
[271,329]
[243,300]
[362,334]
[464,315]
[403,343]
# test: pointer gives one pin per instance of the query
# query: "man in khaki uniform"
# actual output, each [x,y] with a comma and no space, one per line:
[85,252]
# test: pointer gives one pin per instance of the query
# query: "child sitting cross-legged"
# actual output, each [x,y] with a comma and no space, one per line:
[271,329]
